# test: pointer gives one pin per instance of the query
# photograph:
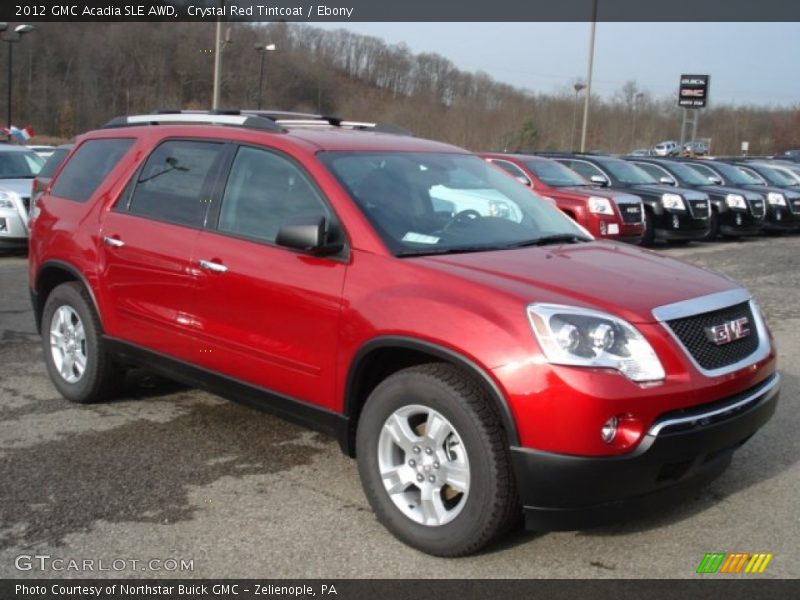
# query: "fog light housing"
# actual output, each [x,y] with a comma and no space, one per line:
[609,430]
[778,215]
[738,219]
[676,222]
[3,226]
[603,228]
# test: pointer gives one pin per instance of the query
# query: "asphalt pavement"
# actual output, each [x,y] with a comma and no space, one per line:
[169,473]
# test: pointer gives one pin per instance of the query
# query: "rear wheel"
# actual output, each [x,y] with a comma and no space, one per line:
[78,365]
[433,461]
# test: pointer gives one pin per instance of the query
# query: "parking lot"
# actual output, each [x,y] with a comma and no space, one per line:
[167,472]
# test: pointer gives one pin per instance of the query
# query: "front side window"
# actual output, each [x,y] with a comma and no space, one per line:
[628,173]
[775,177]
[263,192]
[432,203]
[688,174]
[88,168]
[653,170]
[173,184]
[584,168]
[511,169]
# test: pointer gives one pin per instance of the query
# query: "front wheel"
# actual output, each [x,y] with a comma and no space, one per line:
[77,363]
[433,461]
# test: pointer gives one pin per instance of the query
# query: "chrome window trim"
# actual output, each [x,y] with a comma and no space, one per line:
[767,389]
[711,302]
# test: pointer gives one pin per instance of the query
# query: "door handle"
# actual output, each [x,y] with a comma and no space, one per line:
[212,266]
[113,242]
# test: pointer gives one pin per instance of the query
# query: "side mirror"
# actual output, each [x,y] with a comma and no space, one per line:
[599,180]
[523,180]
[308,234]
[715,180]
[667,180]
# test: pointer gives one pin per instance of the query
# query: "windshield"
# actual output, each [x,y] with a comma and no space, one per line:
[554,173]
[735,176]
[19,165]
[432,203]
[774,177]
[627,173]
[688,174]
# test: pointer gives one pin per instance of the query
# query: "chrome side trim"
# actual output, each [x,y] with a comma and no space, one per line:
[702,304]
[767,389]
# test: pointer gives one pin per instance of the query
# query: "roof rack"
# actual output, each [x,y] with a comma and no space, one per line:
[267,120]
[210,117]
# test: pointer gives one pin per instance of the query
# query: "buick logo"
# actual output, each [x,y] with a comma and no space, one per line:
[728,332]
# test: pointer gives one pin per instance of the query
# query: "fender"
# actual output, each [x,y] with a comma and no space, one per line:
[351,408]
[38,301]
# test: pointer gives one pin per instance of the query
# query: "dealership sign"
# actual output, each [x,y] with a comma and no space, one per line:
[693,91]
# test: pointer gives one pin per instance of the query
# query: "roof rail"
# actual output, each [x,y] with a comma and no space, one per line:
[267,120]
[209,117]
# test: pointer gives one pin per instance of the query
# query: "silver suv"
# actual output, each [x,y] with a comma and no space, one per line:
[18,167]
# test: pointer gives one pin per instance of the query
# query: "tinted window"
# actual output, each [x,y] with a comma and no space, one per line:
[172,184]
[627,173]
[53,162]
[19,164]
[264,191]
[653,170]
[88,167]
[555,174]
[586,169]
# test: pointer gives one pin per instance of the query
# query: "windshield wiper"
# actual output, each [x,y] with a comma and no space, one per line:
[546,240]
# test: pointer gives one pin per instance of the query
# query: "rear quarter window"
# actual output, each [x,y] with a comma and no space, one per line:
[53,162]
[88,167]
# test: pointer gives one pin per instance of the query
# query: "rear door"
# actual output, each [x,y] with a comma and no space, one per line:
[147,241]
[268,315]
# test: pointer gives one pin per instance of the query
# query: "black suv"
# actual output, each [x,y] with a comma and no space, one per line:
[783,204]
[734,211]
[671,214]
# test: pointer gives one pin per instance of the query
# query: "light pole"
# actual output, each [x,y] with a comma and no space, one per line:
[588,95]
[262,49]
[636,100]
[577,87]
[11,38]
[219,46]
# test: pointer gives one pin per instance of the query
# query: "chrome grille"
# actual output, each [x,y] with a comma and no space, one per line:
[631,213]
[698,208]
[757,208]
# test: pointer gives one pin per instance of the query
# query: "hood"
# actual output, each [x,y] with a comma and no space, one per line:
[617,278]
[660,188]
[726,189]
[765,189]
[20,186]
[620,197]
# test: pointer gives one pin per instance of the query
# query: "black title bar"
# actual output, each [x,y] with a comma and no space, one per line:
[405,10]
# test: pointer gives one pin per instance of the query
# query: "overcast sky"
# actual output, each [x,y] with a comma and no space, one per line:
[749,63]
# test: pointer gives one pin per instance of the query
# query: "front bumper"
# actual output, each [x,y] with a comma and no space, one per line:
[688,227]
[780,218]
[682,451]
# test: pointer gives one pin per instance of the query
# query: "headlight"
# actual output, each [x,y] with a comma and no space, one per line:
[601,206]
[776,198]
[673,201]
[586,338]
[7,199]
[735,201]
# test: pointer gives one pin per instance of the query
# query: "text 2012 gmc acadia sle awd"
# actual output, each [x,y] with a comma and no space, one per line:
[468,343]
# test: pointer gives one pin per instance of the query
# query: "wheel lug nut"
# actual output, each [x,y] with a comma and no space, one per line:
[432,479]
[412,463]
[436,465]
[428,451]
[416,449]
[420,478]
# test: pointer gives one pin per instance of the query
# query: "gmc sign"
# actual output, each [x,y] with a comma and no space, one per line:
[693,91]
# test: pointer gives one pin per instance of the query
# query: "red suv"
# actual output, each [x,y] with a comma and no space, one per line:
[476,351]
[606,214]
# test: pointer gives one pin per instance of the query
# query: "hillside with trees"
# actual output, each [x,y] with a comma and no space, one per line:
[69,78]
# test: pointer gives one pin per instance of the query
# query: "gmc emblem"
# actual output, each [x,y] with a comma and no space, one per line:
[632,209]
[728,332]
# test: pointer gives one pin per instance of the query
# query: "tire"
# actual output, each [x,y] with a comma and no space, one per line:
[649,234]
[713,226]
[78,365]
[470,451]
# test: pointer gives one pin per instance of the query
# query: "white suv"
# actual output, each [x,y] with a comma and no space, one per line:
[668,148]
